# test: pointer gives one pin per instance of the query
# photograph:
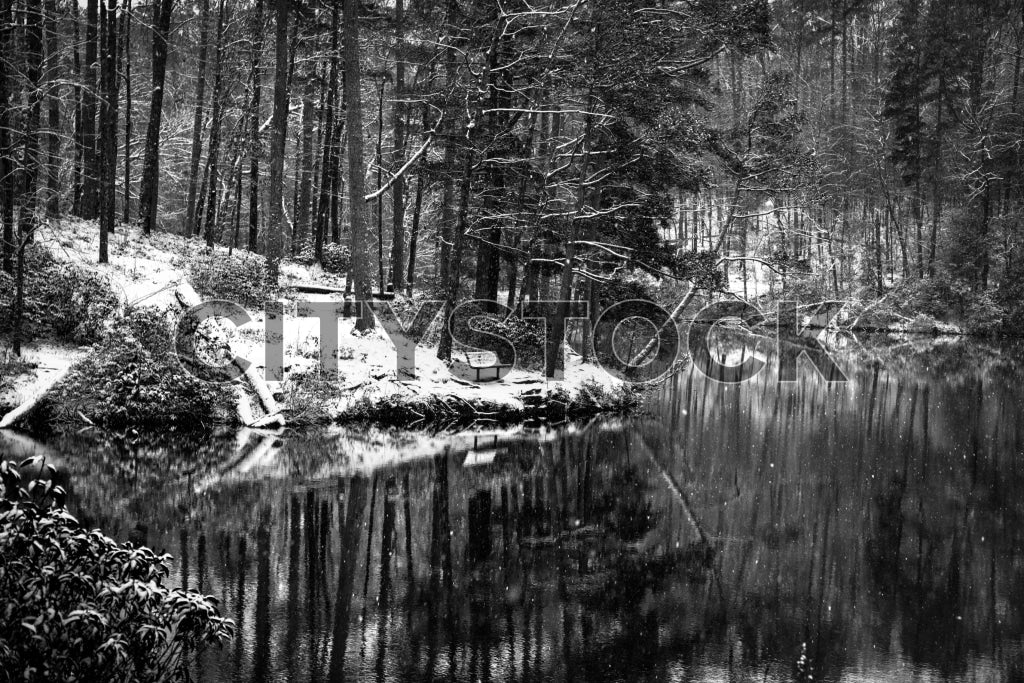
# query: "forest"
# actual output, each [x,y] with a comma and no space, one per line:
[860,151]
[860,160]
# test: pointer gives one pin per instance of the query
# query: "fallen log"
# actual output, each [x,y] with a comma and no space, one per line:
[317,289]
[10,419]
[188,297]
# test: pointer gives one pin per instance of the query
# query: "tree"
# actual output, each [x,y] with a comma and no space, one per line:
[398,155]
[53,110]
[89,203]
[330,167]
[278,134]
[7,248]
[150,189]
[125,66]
[213,154]
[31,161]
[305,179]
[197,123]
[108,122]
[255,148]
[362,258]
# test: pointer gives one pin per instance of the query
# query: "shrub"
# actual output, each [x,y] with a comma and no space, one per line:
[594,398]
[622,289]
[239,279]
[526,336]
[62,300]
[1010,296]
[934,297]
[134,378]
[978,312]
[77,606]
[335,257]
[308,395]
[981,313]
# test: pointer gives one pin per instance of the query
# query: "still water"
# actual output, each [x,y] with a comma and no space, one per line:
[866,531]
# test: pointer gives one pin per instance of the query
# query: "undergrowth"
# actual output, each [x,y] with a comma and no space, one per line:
[63,301]
[133,378]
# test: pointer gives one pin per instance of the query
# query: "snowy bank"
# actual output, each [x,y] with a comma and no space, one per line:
[145,271]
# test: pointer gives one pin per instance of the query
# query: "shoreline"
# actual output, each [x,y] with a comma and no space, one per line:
[146,272]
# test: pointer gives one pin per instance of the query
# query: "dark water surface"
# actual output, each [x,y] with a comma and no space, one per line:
[867,531]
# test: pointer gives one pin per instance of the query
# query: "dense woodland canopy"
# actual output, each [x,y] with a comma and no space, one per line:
[518,151]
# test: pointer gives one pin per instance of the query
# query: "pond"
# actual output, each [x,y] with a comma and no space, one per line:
[764,531]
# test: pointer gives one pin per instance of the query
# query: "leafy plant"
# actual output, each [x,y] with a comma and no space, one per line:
[1010,296]
[236,278]
[132,379]
[526,336]
[77,606]
[335,257]
[62,300]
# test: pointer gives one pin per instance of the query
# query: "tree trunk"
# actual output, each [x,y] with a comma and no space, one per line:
[554,346]
[90,153]
[398,156]
[454,270]
[126,32]
[304,195]
[414,235]
[79,144]
[197,123]
[448,187]
[108,118]
[488,255]
[33,46]
[150,190]
[361,252]
[937,175]
[53,70]
[213,157]
[255,148]
[379,203]
[6,152]
[278,134]
[331,139]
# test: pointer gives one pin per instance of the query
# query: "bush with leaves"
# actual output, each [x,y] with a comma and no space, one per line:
[699,267]
[335,257]
[623,288]
[237,278]
[526,336]
[934,297]
[77,606]
[62,300]
[1010,297]
[976,311]
[134,379]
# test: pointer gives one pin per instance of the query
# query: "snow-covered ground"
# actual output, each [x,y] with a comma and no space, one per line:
[145,271]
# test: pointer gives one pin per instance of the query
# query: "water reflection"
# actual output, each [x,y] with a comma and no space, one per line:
[764,531]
